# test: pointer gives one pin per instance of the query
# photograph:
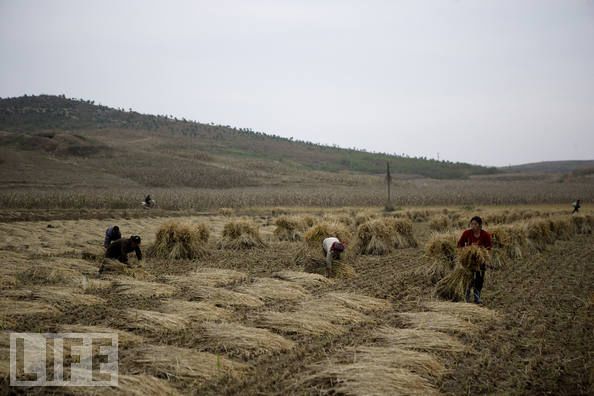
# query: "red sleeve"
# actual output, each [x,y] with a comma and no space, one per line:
[463,239]
[487,243]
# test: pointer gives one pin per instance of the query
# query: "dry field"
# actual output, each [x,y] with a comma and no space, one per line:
[249,313]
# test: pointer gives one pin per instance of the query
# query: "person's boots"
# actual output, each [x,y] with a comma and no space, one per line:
[477,297]
[468,295]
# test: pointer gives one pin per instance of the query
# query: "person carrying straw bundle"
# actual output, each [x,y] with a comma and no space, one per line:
[476,236]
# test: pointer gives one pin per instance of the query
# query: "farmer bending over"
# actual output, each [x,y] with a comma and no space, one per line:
[479,237]
[111,234]
[119,249]
[332,250]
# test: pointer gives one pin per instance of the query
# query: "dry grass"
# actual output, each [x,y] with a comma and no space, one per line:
[379,237]
[367,379]
[63,296]
[440,223]
[304,279]
[181,363]
[424,340]
[442,247]
[300,322]
[315,235]
[288,228]
[358,301]
[125,338]
[16,308]
[473,258]
[540,233]
[437,321]
[582,224]
[453,286]
[224,297]
[249,341]
[138,288]
[134,385]
[154,321]
[175,241]
[241,235]
[334,311]
[420,363]
[274,289]
[227,212]
[463,310]
[212,277]
[195,311]
[509,242]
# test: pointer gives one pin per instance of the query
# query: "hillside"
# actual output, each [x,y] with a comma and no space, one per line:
[552,167]
[125,147]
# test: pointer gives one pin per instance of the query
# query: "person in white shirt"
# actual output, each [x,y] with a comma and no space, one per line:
[332,250]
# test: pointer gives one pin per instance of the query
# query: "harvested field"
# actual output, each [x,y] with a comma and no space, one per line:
[253,322]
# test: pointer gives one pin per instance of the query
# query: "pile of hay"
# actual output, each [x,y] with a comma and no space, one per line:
[156,322]
[17,308]
[249,342]
[315,235]
[508,243]
[63,297]
[440,223]
[453,286]
[540,234]
[223,297]
[378,237]
[304,279]
[227,212]
[288,229]
[181,363]
[176,241]
[367,378]
[441,251]
[241,235]
[212,277]
[359,302]
[195,311]
[125,338]
[463,310]
[424,340]
[300,322]
[143,289]
[418,216]
[137,385]
[562,228]
[437,321]
[373,238]
[274,289]
[442,247]
[582,224]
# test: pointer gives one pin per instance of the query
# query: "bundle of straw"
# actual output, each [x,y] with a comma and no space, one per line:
[241,235]
[176,241]
[288,229]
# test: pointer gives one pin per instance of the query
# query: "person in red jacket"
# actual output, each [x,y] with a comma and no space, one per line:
[479,237]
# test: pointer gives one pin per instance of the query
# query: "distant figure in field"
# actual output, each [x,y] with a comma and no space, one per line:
[111,234]
[148,202]
[333,248]
[475,235]
[120,249]
[576,206]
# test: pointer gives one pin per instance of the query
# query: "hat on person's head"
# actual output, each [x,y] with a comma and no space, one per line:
[337,247]
[135,238]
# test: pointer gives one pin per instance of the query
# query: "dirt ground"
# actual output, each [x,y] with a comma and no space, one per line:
[541,342]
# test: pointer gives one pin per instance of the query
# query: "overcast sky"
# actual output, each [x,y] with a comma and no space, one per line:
[488,82]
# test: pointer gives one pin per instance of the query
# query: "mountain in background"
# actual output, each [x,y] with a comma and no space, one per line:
[577,167]
[46,137]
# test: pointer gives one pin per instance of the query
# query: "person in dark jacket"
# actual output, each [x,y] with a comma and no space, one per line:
[479,237]
[111,234]
[120,249]
[576,206]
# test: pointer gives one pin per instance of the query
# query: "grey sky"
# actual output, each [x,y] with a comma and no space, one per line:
[489,82]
